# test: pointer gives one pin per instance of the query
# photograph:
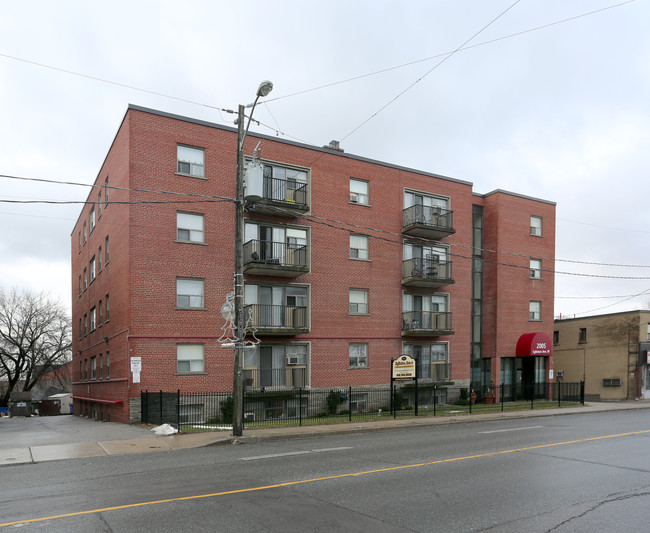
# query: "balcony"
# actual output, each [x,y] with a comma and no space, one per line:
[429,222]
[290,377]
[429,272]
[278,319]
[430,323]
[282,198]
[275,259]
[435,371]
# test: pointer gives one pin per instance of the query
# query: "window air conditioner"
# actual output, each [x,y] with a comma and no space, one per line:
[354,199]
[292,360]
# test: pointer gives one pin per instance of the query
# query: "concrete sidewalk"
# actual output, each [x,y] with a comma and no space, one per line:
[144,443]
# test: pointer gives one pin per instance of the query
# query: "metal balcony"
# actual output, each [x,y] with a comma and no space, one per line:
[430,222]
[282,198]
[429,272]
[290,377]
[435,371]
[278,319]
[430,323]
[275,258]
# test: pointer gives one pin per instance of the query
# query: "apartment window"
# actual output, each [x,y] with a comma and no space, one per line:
[556,337]
[358,301]
[101,368]
[358,191]
[85,369]
[92,269]
[431,358]
[81,328]
[648,333]
[536,226]
[106,249]
[85,232]
[107,309]
[93,319]
[100,307]
[106,192]
[93,368]
[80,285]
[81,370]
[99,259]
[99,205]
[535,310]
[189,293]
[582,335]
[108,365]
[85,325]
[190,161]
[85,278]
[80,242]
[189,227]
[358,247]
[277,365]
[91,219]
[358,352]
[189,358]
[535,269]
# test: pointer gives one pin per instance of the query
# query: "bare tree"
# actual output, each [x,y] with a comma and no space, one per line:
[35,338]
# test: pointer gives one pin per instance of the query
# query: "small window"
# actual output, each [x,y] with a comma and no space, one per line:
[99,259]
[106,192]
[582,335]
[85,278]
[189,293]
[106,249]
[108,365]
[189,227]
[93,319]
[91,219]
[80,242]
[536,226]
[80,286]
[189,358]
[358,301]
[91,268]
[99,205]
[536,269]
[85,232]
[93,368]
[556,337]
[358,354]
[85,325]
[612,382]
[535,311]
[100,319]
[358,191]
[107,309]
[190,161]
[100,374]
[358,247]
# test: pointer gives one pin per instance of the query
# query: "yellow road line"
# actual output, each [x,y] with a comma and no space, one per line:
[326,478]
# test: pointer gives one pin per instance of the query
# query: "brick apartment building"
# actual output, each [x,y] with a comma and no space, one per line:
[349,262]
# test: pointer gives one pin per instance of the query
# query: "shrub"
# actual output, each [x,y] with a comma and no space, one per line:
[333,401]
[227,408]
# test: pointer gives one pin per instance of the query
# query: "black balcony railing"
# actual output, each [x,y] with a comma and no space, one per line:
[435,322]
[291,376]
[278,318]
[290,193]
[276,254]
[434,371]
[429,270]
[426,220]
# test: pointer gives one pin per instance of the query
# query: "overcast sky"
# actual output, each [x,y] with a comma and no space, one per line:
[548,98]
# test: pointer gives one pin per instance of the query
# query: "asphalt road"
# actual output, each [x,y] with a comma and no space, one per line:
[588,472]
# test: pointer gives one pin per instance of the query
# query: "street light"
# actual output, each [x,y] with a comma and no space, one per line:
[238,382]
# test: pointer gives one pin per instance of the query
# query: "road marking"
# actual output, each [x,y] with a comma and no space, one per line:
[326,478]
[286,454]
[511,429]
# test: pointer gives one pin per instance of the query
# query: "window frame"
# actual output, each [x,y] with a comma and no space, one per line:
[354,359]
[190,231]
[534,227]
[359,292]
[359,197]
[191,165]
[582,335]
[187,357]
[359,251]
[535,271]
[534,315]
[190,296]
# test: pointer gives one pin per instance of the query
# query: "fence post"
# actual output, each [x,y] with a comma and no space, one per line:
[178,410]
[582,392]
[559,394]
[161,407]
[435,398]
[501,390]
[470,400]
[349,404]
[144,407]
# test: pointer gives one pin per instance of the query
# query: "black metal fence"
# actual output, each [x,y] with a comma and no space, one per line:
[197,411]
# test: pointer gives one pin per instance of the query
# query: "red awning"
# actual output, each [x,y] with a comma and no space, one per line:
[537,343]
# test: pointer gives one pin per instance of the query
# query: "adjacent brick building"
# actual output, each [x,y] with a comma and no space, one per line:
[349,262]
